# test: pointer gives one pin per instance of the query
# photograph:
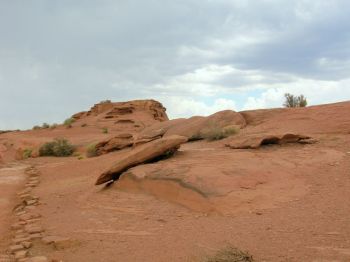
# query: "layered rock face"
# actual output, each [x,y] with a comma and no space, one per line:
[118,110]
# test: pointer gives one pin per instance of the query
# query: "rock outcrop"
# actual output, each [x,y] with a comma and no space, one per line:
[115,143]
[141,154]
[256,141]
[192,126]
[131,116]
[115,110]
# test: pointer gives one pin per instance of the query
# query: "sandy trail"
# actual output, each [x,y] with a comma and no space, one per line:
[11,179]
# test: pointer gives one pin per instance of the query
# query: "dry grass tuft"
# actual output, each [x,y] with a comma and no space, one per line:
[230,254]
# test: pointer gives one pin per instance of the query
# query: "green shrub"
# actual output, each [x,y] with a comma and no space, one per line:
[45,126]
[230,254]
[68,122]
[294,101]
[27,153]
[91,150]
[36,127]
[59,147]
[105,130]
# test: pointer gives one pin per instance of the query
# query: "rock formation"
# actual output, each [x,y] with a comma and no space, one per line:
[141,154]
[256,141]
[115,143]
[192,126]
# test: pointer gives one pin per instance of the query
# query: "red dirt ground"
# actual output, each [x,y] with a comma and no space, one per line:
[280,203]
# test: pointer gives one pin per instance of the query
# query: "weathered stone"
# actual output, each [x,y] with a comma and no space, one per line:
[16,226]
[21,254]
[256,141]
[36,236]
[141,154]
[65,243]
[31,229]
[25,196]
[20,213]
[38,259]
[26,244]
[20,240]
[32,221]
[115,143]
[25,191]
[6,258]
[15,248]
[54,239]
[30,202]
[29,216]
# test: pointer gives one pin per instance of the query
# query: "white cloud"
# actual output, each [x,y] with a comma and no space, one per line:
[316,92]
[186,53]
[178,107]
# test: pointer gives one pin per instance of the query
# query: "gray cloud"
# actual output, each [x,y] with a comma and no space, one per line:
[59,57]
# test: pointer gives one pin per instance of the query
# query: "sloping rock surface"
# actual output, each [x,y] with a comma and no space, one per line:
[253,142]
[141,154]
[115,143]
[192,126]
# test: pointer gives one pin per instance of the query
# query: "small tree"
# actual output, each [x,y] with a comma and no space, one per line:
[294,101]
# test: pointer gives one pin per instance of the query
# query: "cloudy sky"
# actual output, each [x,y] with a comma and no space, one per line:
[58,57]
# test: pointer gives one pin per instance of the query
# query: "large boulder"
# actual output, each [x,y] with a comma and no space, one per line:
[256,141]
[141,154]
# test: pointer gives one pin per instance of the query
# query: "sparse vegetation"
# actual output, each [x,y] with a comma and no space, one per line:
[91,150]
[59,147]
[217,133]
[36,127]
[105,101]
[230,254]
[68,122]
[45,126]
[53,126]
[27,153]
[196,137]
[105,130]
[294,101]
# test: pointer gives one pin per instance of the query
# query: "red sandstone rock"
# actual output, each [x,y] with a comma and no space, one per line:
[139,155]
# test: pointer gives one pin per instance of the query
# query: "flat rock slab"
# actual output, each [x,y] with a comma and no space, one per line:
[54,239]
[141,154]
[37,259]
[256,141]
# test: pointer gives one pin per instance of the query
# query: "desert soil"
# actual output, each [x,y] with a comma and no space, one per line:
[279,202]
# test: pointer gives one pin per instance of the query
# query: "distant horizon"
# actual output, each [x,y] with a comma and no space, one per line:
[195,57]
[170,118]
